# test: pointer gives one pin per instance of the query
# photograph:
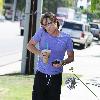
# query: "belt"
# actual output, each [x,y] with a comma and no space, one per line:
[46,75]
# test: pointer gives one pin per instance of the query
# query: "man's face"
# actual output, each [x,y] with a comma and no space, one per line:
[49,25]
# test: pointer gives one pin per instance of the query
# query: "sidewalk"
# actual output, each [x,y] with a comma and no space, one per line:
[10,63]
[81,92]
[10,68]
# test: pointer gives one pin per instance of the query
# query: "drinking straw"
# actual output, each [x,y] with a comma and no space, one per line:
[47,45]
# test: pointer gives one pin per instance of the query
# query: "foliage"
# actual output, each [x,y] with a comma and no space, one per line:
[1,5]
[21,5]
[84,11]
[48,5]
[93,12]
[9,1]
[95,8]
[96,14]
[65,76]
[51,5]
[93,4]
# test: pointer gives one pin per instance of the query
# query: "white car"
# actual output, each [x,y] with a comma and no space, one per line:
[79,32]
[8,14]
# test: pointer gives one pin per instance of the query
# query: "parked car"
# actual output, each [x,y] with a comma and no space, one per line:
[2,18]
[79,32]
[8,14]
[95,30]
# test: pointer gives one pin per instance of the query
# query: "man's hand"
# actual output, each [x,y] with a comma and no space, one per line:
[57,63]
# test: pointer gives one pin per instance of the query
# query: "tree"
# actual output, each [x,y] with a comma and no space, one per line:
[21,5]
[95,8]
[51,5]
[94,4]
[8,1]
[1,6]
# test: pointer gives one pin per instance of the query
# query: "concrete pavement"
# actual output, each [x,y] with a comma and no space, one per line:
[10,63]
[80,93]
[14,67]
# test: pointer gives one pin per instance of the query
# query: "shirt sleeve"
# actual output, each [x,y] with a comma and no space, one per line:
[69,44]
[37,35]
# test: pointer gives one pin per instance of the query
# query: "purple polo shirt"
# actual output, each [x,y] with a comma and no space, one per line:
[58,46]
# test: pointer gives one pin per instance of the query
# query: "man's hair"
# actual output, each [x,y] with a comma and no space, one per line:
[51,16]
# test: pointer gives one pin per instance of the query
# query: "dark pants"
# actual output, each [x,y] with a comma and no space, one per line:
[47,87]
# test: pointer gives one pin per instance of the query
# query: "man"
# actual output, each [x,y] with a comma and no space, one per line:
[48,78]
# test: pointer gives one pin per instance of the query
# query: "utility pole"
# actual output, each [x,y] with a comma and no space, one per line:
[27,66]
[14,10]
[75,5]
[32,29]
[26,32]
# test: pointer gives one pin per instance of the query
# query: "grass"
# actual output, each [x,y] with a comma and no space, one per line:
[66,76]
[19,87]
[16,87]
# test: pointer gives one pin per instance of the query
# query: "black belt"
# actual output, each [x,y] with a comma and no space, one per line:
[46,75]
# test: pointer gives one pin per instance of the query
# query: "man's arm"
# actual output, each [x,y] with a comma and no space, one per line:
[66,61]
[31,47]
[69,59]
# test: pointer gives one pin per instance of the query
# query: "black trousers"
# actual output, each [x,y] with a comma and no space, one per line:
[47,87]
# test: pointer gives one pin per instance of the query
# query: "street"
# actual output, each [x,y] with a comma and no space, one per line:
[11,44]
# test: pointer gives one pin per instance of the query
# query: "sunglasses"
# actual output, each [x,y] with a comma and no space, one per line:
[47,24]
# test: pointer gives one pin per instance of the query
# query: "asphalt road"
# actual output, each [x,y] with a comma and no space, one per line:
[11,44]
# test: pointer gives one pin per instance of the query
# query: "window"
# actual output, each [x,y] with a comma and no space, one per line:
[73,26]
[94,26]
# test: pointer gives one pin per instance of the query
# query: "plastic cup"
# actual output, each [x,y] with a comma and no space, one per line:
[46,55]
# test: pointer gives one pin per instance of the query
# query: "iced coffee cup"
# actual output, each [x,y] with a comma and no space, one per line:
[45,55]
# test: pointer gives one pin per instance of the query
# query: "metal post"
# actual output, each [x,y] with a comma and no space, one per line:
[28,64]
[32,29]
[26,30]
[14,9]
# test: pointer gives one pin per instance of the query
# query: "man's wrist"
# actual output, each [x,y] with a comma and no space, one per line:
[64,62]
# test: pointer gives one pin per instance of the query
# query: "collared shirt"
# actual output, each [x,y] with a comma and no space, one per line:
[58,46]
